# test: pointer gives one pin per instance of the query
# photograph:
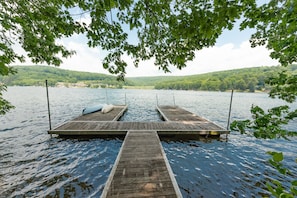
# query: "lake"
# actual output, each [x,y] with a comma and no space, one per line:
[32,164]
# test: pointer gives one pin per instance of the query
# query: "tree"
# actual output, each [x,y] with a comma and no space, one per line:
[5,106]
[240,84]
[223,86]
[168,31]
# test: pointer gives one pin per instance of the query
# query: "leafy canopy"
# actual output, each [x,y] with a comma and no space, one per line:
[170,31]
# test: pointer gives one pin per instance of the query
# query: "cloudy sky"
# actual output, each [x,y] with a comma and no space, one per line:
[231,51]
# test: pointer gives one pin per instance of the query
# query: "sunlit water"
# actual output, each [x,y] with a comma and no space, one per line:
[32,164]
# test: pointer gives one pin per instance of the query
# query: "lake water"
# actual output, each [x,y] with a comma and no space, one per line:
[32,164]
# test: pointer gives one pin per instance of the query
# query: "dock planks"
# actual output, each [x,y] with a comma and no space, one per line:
[178,122]
[175,113]
[141,169]
[121,128]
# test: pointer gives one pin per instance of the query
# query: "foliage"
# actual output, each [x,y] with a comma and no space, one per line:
[152,80]
[5,106]
[168,31]
[275,187]
[249,79]
[36,75]
[276,28]
[267,125]
[284,86]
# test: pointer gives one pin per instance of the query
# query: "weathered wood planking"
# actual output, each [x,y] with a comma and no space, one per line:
[178,122]
[175,113]
[141,169]
[120,128]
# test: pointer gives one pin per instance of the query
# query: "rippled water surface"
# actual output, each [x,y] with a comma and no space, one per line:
[32,164]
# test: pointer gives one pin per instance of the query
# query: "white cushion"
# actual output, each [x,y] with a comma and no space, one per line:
[107,108]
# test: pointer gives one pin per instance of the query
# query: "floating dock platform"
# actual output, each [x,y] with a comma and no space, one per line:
[141,168]
[177,122]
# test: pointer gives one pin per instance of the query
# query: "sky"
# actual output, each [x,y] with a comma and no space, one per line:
[232,51]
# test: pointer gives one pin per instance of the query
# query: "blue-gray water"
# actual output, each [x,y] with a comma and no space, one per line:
[34,165]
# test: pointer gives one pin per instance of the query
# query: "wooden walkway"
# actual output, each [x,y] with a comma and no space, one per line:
[176,114]
[120,128]
[178,122]
[141,169]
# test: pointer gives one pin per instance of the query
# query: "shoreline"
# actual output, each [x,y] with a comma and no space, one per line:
[139,88]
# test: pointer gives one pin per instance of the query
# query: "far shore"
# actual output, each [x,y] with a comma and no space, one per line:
[74,85]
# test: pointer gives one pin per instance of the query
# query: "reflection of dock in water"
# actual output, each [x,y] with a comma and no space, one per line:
[141,168]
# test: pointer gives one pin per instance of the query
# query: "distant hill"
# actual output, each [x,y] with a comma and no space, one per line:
[36,76]
[248,79]
[152,80]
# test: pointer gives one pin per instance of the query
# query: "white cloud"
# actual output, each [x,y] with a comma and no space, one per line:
[216,58]
[145,68]
[85,59]
[226,57]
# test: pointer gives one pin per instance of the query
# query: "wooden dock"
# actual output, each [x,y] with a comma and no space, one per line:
[177,114]
[177,122]
[141,169]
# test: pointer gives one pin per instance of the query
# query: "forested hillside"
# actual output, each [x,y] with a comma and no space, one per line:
[36,76]
[249,79]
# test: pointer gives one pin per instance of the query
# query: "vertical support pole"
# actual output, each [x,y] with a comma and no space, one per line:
[125,99]
[173,100]
[106,98]
[48,106]
[157,99]
[230,107]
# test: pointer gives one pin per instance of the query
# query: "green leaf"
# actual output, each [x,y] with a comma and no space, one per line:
[278,157]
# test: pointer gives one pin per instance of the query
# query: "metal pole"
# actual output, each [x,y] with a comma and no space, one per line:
[106,96]
[230,107]
[125,99]
[173,100]
[48,106]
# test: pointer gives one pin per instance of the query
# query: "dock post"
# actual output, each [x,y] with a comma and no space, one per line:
[230,107]
[173,100]
[106,98]
[48,106]
[125,99]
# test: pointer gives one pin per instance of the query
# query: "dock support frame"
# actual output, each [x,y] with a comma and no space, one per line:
[48,106]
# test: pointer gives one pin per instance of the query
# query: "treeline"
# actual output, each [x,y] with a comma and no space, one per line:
[36,76]
[248,79]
